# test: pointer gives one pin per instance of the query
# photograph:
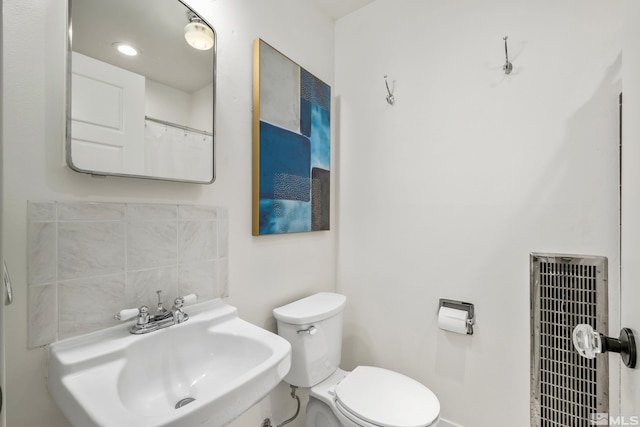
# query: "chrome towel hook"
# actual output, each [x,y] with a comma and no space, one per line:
[390,99]
[508,66]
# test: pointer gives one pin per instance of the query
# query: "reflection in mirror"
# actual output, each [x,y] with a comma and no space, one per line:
[141,90]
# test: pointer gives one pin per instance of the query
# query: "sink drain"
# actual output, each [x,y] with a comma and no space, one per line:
[184,401]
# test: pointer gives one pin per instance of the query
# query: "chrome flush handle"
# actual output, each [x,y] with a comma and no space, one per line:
[311,330]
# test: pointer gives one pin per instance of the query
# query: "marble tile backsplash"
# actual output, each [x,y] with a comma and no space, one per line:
[87,261]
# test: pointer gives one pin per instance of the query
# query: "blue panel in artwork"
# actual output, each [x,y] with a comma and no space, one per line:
[285,164]
[315,117]
[320,138]
[284,216]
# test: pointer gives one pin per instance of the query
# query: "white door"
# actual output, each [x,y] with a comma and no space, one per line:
[107,117]
[7,300]
[3,412]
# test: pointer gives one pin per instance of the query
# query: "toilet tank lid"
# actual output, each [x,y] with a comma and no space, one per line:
[311,309]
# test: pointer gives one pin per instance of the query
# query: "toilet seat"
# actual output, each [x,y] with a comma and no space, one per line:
[385,398]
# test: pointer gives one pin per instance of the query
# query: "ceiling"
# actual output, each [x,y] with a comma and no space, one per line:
[97,24]
[336,9]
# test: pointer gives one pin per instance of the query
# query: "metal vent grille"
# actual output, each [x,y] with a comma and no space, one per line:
[566,389]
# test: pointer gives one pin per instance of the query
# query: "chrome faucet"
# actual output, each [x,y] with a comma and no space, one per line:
[160,310]
[162,318]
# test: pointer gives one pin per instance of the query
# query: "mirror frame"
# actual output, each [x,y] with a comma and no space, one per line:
[68,64]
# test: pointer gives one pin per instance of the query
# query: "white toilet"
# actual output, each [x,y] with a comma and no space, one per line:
[365,397]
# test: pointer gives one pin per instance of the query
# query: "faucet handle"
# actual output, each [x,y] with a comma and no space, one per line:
[179,302]
[588,343]
[190,299]
[143,316]
[126,314]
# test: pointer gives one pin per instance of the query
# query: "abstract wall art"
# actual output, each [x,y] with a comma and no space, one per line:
[291,145]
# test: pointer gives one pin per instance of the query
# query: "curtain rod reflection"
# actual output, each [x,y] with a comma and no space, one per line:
[186,128]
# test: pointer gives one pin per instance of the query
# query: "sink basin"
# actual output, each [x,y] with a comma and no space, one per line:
[208,370]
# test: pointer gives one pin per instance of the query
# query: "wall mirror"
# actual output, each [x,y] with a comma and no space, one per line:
[140,90]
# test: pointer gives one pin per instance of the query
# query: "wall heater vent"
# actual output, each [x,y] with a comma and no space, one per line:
[567,390]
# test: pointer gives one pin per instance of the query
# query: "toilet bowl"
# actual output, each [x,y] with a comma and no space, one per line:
[371,397]
[365,397]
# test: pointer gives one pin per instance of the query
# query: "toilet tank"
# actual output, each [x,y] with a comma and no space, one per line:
[313,326]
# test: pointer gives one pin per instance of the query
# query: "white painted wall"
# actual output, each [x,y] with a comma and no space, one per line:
[201,109]
[446,193]
[264,272]
[176,106]
[167,103]
[630,285]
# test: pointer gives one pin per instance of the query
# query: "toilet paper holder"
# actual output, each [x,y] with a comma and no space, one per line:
[461,305]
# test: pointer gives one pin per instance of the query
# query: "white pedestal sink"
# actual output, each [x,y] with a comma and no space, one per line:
[206,371]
